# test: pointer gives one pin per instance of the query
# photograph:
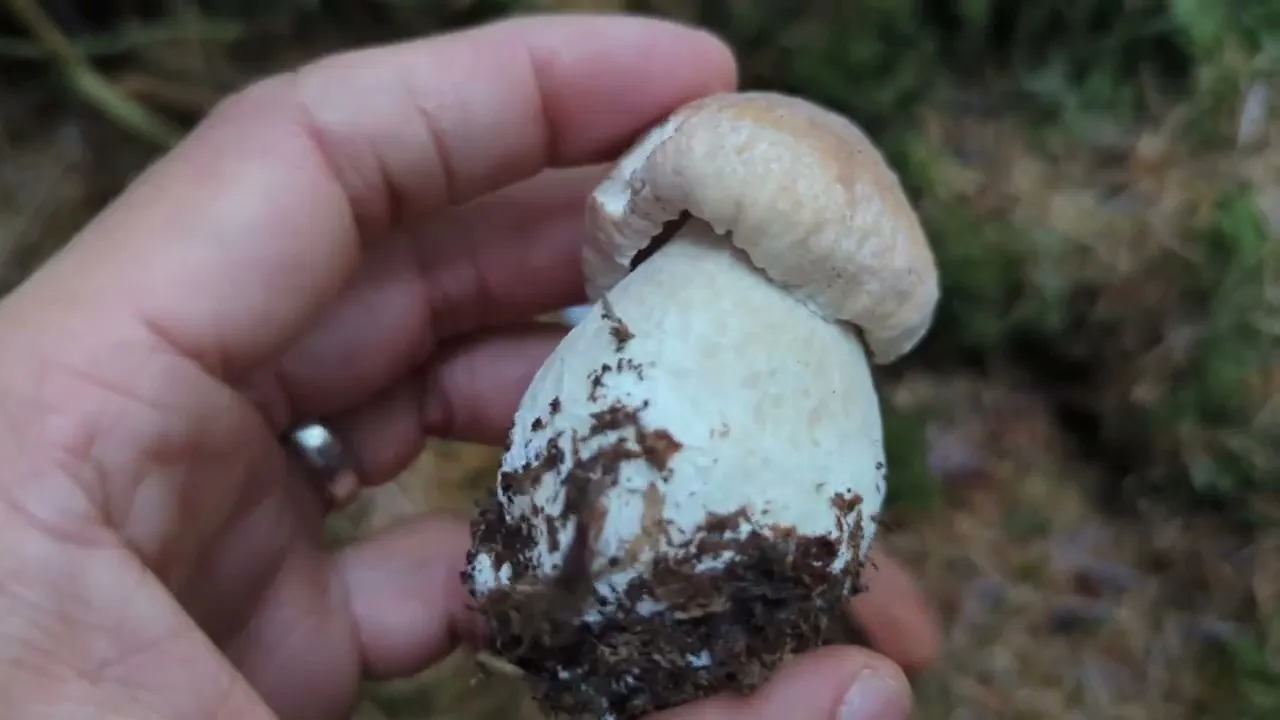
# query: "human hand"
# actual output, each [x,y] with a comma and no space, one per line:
[364,241]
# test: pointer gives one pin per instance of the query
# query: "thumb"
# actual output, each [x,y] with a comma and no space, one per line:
[834,683]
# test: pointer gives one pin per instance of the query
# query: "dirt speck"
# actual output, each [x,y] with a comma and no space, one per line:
[618,329]
[659,447]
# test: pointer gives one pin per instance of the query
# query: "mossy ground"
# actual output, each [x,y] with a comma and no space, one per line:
[1085,454]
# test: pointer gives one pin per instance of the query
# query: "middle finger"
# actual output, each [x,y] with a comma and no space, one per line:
[497,261]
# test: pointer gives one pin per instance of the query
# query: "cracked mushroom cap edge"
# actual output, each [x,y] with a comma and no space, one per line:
[804,192]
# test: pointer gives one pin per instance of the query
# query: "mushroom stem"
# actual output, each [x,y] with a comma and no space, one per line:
[741,401]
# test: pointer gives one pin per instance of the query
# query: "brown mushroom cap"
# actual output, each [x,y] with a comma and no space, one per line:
[805,194]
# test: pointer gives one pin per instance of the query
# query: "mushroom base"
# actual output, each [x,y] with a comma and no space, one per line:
[723,630]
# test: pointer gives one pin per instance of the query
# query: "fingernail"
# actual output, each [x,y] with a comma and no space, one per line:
[874,696]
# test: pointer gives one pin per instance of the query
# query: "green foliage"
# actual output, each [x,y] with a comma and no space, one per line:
[1246,668]
[1074,63]
[1208,413]
[1213,29]
[1233,43]
[912,486]
[1257,681]
[871,60]
[993,294]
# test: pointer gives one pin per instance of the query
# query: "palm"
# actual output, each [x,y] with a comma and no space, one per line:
[216,510]
[262,584]
[205,493]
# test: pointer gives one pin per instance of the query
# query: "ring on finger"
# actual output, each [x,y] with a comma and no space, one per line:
[329,462]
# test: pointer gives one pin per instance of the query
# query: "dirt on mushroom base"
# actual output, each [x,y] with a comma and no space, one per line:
[738,625]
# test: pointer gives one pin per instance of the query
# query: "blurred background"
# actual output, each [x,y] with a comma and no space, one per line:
[1084,455]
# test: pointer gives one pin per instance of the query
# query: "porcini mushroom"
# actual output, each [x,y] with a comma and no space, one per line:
[694,474]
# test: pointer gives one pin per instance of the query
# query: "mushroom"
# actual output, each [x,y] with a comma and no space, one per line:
[694,474]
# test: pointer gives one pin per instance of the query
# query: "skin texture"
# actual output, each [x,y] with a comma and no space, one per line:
[358,240]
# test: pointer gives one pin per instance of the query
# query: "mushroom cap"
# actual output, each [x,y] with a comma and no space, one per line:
[805,194]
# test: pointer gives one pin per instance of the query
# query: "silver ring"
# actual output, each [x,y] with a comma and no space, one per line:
[328,460]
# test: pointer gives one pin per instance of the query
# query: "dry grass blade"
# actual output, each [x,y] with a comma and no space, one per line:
[161,32]
[88,82]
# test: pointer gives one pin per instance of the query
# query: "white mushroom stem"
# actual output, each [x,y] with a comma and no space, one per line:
[773,407]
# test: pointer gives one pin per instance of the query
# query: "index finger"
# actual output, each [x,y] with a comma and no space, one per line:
[225,248]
